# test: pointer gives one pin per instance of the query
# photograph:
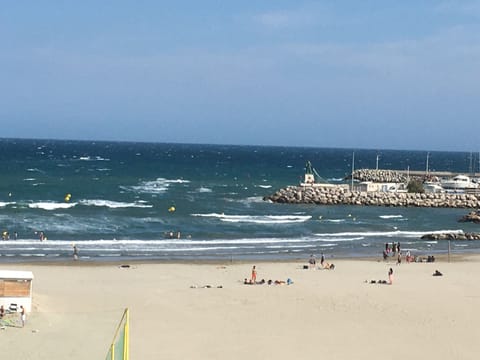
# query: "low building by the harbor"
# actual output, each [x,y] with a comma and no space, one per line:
[370,186]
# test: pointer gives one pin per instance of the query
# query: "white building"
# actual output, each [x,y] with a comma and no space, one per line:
[16,289]
[369,186]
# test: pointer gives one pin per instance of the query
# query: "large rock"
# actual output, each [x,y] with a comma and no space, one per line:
[473,216]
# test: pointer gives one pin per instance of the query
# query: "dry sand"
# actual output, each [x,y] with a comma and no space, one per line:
[330,314]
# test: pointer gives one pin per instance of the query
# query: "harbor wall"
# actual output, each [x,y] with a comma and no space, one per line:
[340,195]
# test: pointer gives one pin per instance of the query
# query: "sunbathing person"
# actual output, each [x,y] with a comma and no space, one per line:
[328,266]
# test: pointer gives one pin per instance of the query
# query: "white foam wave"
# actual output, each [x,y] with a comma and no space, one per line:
[51,205]
[258,219]
[3,204]
[245,241]
[94,158]
[204,190]
[390,216]
[340,239]
[252,199]
[113,204]
[265,186]
[158,186]
[290,246]
[334,220]
[29,179]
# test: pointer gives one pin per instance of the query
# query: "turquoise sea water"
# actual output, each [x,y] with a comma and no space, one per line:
[123,194]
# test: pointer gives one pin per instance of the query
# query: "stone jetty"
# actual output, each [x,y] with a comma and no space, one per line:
[380,176]
[451,236]
[341,195]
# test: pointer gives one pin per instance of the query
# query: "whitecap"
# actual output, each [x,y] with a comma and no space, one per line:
[390,216]
[158,186]
[113,204]
[258,219]
[204,190]
[340,239]
[51,205]
[89,158]
[3,204]
[35,170]
[264,186]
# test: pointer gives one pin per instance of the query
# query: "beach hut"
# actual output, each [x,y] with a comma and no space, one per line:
[16,289]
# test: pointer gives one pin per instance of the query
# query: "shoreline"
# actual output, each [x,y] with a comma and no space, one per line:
[117,262]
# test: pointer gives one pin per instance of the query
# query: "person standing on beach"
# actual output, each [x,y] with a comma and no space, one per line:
[322,259]
[390,276]
[75,252]
[254,275]
[22,315]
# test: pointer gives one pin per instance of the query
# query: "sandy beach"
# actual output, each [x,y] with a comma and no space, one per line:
[336,314]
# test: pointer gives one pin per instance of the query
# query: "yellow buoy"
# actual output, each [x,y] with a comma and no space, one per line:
[171,209]
[68,197]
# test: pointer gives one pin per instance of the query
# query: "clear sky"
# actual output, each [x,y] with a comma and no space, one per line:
[356,74]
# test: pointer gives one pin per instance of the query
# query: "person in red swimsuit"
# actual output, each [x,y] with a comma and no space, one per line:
[254,275]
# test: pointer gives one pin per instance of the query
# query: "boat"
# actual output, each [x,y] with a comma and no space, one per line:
[459,182]
[432,187]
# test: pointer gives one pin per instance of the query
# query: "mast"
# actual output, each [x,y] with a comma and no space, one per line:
[471,164]
[426,167]
[378,156]
[353,166]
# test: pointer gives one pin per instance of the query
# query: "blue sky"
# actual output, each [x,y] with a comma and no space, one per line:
[356,74]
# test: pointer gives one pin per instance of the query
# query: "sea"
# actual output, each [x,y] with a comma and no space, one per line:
[121,201]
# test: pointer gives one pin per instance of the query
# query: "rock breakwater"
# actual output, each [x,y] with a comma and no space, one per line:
[341,195]
[451,236]
[473,216]
[381,176]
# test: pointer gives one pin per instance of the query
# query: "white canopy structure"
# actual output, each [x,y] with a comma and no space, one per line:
[16,289]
